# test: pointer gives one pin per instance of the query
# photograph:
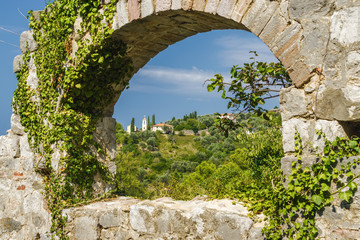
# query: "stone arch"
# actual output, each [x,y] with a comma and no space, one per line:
[317,42]
[149,27]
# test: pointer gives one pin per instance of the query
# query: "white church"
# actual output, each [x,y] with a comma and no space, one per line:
[144,125]
[164,128]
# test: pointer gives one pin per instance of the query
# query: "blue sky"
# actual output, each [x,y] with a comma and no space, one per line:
[171,84]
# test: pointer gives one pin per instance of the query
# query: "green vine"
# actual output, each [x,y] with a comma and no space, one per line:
[71,93]
[311,188]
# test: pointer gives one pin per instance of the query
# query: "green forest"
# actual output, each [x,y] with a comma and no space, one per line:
[152,164]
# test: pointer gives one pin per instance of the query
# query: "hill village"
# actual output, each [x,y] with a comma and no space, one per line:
[168,127]
[162,127]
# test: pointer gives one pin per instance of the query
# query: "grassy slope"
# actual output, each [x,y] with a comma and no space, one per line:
[184,145]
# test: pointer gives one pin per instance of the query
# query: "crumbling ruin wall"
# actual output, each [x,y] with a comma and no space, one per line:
[318,42]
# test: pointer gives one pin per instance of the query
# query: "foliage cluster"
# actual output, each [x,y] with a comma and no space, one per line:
[250,86]
[63,109]
[290,204]
[291,208]
[192,122]
[186,166]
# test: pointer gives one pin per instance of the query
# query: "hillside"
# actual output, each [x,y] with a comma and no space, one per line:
[151,164]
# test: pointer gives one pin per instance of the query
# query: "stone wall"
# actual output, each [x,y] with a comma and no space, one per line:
[23,211]
[127,218]
[318,41]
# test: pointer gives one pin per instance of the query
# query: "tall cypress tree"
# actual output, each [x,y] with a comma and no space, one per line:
[132,125]
[153,120]
[148,123]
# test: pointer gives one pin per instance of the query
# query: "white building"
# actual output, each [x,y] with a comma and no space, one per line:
[162,127]
[128,129]
[229,116]
[144,124]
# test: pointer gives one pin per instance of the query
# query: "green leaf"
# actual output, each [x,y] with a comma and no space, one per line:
[346,195]
[324,187]
[318,200]
[78,85]
[352,186]
[210,87]
[353,144]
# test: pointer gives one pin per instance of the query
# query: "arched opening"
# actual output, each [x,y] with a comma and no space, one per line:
[172,83]
[146,37]
[167,87]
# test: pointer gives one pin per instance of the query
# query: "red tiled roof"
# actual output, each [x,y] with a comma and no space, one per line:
[162,125]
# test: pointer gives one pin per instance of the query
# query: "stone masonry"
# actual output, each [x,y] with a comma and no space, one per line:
[318,42]
[127,218]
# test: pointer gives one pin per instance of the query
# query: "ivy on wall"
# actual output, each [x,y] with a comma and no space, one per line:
[291,208]
[72,90]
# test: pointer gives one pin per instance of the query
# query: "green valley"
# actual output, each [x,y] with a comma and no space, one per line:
[153,164]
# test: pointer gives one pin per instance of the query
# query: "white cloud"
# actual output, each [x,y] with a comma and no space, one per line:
[234,50]
[153,79]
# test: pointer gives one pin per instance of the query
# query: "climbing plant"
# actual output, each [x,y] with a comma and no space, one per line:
[250,86]
[76,71]
[292,202]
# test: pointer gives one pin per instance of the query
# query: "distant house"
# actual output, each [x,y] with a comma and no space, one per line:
[128,129]
[162,127]
[229,116]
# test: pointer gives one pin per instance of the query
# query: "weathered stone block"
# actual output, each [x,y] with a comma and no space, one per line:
[306,9]
[106,135]
[85,228]
[225,8]
[331,129]
[340,104]
[140,218]
[110,219]
[122,15]
[14,146]
[240,9]
[345,26]
[303,126]
[299,74]
[32,79]
[273,28]
[10,163]
[16,127]
[147,8]
[314,44]
[287,161]
[163,5]
[291,55]
[353,67]
[198,5]
[17,63]
[27,41]
[186,4]
[3,146]
[292,103]
[10,224]
[211,6]
[33,202]
[176,4]
[287,38]
[134,10]
[232,226]
[258,15]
